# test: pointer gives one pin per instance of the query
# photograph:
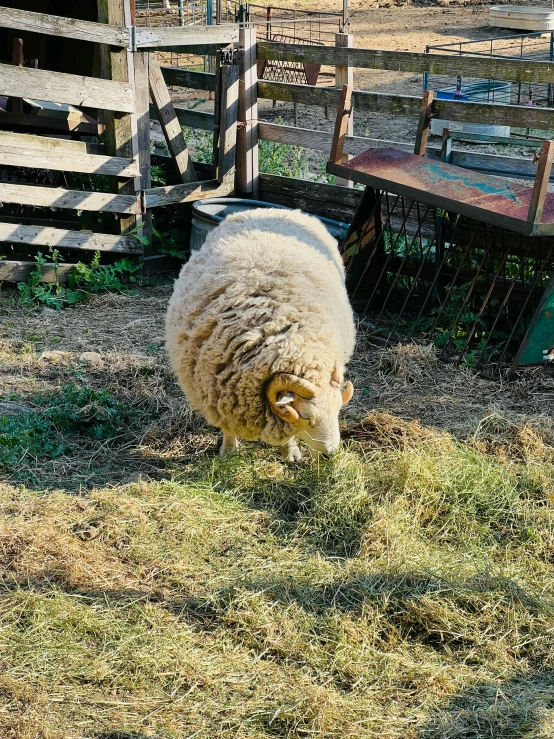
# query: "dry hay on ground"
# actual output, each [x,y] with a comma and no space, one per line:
[402,589]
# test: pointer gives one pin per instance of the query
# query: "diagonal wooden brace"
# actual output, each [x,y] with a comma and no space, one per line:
[169,122]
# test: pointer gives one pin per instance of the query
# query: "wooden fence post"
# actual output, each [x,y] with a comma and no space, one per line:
[344,75]
[229,96]
[247,175]
[121,130]
[142,101]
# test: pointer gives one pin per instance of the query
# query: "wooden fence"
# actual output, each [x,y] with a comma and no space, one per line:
[121,97]
[133,89]
[320,197]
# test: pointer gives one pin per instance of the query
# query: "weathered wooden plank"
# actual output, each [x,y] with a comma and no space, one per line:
[217,114]
[62,238]
[227,143]
[51,143]
[58,197]
[507,115]
[53,25]
[121,130]
[186,36]
[169,122]
[330,201]
[141,60]
[190,118]
[18,149]
[59,87]
[540,188]
[68,125]
[174,194]
[20,271]
[515,70]
[408,105]
[185,78]
[341,124]
[424,123]
[345,76]
[321,141]
[376,102]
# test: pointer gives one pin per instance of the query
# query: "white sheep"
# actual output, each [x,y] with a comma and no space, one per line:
[259,329]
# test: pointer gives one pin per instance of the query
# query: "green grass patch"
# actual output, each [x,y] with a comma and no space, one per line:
[45,430]
[84,280]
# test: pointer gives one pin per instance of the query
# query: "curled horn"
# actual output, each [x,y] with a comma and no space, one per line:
[283,382]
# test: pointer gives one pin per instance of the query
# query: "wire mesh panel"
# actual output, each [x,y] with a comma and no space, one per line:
[530,46]
[415,271]
[172,12]
[176,13]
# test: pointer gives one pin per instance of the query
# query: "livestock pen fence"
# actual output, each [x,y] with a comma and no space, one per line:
[475,289]
[430,271]
[75,152]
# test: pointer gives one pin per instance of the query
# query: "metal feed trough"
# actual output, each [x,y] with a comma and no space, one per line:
[440,252]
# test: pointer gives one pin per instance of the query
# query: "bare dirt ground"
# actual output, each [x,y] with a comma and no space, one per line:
[41,352]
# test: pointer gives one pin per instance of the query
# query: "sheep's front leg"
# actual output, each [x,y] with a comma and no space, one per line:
[290,451]
[229,444]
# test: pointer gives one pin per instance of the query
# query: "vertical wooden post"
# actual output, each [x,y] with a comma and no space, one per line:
[217,113]
[142,100]
[344,111]
[422,134]
[344,75]
[446,148]
[247,176]
[538,196]
[121,129]
[229,98]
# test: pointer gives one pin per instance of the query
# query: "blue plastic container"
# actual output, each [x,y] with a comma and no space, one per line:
[474,92]
[206,214]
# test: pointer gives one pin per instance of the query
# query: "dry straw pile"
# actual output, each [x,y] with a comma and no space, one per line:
[403,589]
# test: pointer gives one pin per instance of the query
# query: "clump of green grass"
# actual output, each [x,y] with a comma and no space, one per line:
[44,429]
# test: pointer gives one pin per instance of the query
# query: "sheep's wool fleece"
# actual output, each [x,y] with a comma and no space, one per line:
[264,294]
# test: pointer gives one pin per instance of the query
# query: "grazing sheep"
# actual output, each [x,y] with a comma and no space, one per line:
[259,329]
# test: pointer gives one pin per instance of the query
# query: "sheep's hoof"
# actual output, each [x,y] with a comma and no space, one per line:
[291,452]
[229,445]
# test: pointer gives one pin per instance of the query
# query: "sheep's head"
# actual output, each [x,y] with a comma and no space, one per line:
[312,412]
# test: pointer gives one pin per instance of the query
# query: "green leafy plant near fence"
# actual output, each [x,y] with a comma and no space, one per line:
[83,281]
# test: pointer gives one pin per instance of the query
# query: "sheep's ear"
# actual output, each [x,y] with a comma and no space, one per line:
[286,399]
[284,408]
[283,390]
[347,393]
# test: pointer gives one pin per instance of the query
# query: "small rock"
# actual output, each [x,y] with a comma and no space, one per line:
[53,356]
[46,311]
[134,478]
[9,408]
[92,358]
